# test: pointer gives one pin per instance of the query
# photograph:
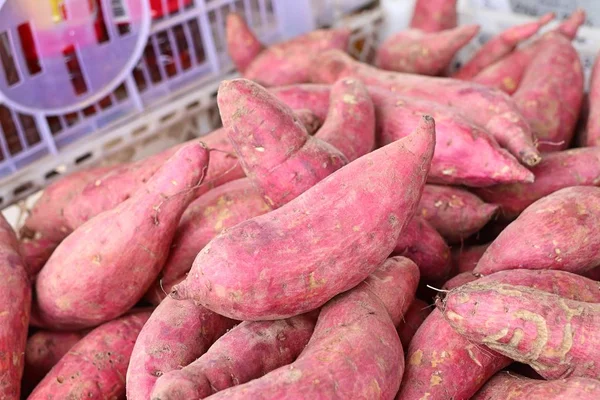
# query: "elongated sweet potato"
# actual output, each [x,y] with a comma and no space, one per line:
[289,62]
[176,334]
[44,350]
[465,259]
[551,93]
[15,303]
[94,368]
[464,153]
[487,107]
[275,150]
[350,122]
[417,52]
[506,385]
[312,96]
[575,167]
[242,45]
[554,335]
[354,352]
[556,232]
[103,268]
[592,134]
[434,15]
[420,242]
[455,213]
[500,46]
[412,320]
[436,349]
[359,203]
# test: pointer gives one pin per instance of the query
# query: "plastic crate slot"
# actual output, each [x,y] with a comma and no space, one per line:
[196,34]
[8,60]
[83,157]
[192,105]
[113,143]
[166,53]
[71,119]
[21,189]
[105,102]
[9,128]
[168,117]
[183,48]
[30,129]
[121,16]
[139,131]
[121,93]
[151,63]
[51,174]
[73,65]
[89,111]
[29,48]
[139,78]
[54,124]
[102,35]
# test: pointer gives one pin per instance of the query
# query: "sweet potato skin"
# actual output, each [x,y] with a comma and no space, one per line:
[307,276]
[417,52]
[95,366]
[434,15]
[36,252]
[242,45]
[77,286]
[558,170]
[592,134]
[455,213]
[15,304]
[459,280]
[412,320]
[465,259]
[555,232]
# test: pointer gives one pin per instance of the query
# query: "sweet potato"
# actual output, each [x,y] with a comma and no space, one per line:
[44,350]
[35,253]
[421,243]
[412,320]
[455,213]
[299,242]
[554,335]
[104,267]
[311,122]
[354,352]
[487,107]
[575,167]
[242,45]
[176,334]
[464,153]
[434,15]
[592,133]
[418,52]
[94,368]
[350,122]
[15,303]
[289,62]
[466,258]
[551,93]
[459,280]
[436,349]
[505,386]
[275,150]
[500,46]
[556,232]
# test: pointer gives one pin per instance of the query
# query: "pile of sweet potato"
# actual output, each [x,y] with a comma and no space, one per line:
[349,233]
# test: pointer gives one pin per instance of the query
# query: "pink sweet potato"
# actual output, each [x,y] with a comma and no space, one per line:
[436,349]
[466,258]
[592,134]
[311,122]
[412,320]
[94,368]
[176,334]
[35,253]
[575,167]
[354,352]
[556,232]
[500,46]
[464,153]
[275,150]
[289,62]
[311,96]
[421,243]
[506,386]
[350,122]
[15,303]
[459,280]
[551,93]
[486,107]
[455,213]
[44,350]
[418,52]
[434,15]
[242,45]
[104,267]
[299,243]
[554,335]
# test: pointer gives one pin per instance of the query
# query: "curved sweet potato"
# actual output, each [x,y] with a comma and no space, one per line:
[465,259]
[242,45]
[434,15]
[412,320]
[592,134]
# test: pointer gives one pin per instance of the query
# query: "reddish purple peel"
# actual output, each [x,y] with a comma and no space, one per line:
[434,15]
[242,45]
[593,123]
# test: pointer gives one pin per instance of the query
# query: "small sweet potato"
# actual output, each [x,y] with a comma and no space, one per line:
[94,368]
[592,134]
[15,303]
[299,242]
[36,252]
[556,336]
[455,213]
[558,170]
[500,46]
[176,334]
[506,385]
[274,148]
[412,320]
[242,45]
[104,267]
[417,52]
[486,107]
[421,243]
[434,15]
[556,232]
[465,259]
